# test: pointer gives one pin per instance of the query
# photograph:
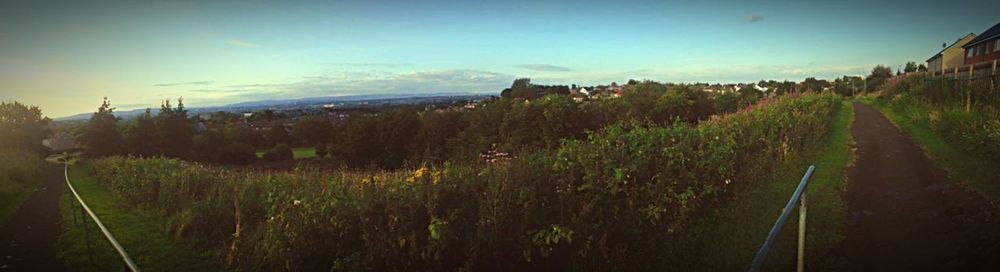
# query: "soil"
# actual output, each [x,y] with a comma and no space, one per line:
[905,213]
[28,240]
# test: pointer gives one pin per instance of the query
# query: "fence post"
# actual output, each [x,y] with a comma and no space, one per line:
[802,233]
[968,91]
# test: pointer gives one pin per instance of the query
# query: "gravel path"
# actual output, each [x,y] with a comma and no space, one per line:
[905,214]
[28,240]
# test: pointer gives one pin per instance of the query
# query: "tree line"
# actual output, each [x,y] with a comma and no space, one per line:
[526,117]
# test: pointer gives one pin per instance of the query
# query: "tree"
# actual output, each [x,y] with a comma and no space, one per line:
[278,135]
[312,130]
[910,67]
[922,68]
[174,130]
[140,136]
[101,136]
[437,130]
[237,153]
[280,152]
[521,88]
[22,127]
[812,84]
[321,150]
[878,77]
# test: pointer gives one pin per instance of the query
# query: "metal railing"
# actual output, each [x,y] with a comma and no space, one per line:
[129,264]
[798,195]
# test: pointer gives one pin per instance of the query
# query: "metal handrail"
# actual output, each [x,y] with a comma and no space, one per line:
[800,194]
[107,234]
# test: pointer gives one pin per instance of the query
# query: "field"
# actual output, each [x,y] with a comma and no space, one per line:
[624,193]
[297,153]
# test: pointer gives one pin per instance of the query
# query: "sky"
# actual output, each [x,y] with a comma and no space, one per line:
[65,56]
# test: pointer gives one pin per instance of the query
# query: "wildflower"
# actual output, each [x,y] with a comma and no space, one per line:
[296,202]
[417,175]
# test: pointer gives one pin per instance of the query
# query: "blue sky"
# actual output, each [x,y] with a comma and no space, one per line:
[65,56]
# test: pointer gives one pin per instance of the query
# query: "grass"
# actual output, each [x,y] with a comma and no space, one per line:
[297,153]
[141,234]
[728,238]
[966,169]
[19,176]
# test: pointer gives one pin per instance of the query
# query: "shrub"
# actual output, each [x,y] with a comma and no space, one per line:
[236,153]
[280,152]
[321,150]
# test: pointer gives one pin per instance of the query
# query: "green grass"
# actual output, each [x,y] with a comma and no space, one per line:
[728,238]
[19,176]
[297,153]
[966,169]
[141,234]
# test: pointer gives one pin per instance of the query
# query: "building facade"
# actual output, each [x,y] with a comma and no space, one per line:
[985,48]
[950,57]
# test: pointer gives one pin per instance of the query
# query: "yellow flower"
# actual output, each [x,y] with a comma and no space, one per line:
[417,175]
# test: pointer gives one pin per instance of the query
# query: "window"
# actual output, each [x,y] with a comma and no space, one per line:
[969,52]
[996,45]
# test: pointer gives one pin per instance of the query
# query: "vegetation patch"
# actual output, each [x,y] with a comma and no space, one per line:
[625,193]
[20,174]
[733,233]
[142,233]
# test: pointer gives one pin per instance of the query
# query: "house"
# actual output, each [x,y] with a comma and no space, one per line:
[949,57]
[60,142]
[985,48]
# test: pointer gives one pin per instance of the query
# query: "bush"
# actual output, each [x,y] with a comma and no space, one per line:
[321,150]
[280,152]
[236,153]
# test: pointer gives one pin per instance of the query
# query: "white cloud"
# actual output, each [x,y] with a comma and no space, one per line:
[242,43]
[543,67]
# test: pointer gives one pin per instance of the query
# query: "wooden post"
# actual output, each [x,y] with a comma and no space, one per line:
[802,234]
[993,76]
[968,91]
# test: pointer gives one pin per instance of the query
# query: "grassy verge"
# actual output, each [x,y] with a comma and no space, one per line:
[297,153]
[20,174]
[727,239]
[140,233]
[969,170]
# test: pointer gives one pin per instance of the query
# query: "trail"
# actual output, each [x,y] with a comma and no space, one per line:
[28,240]
[905,214]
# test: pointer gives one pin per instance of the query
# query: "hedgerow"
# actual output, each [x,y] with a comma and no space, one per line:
[964,113]
[612,201]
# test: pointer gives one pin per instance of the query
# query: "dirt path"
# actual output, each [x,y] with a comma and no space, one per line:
[28,240]
[905,214]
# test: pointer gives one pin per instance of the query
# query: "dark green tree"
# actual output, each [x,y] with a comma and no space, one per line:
[101,136]
[140,136]
[278,135]
[910,67]
[312,130]
[22,127]
[877,78]
[174,130]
